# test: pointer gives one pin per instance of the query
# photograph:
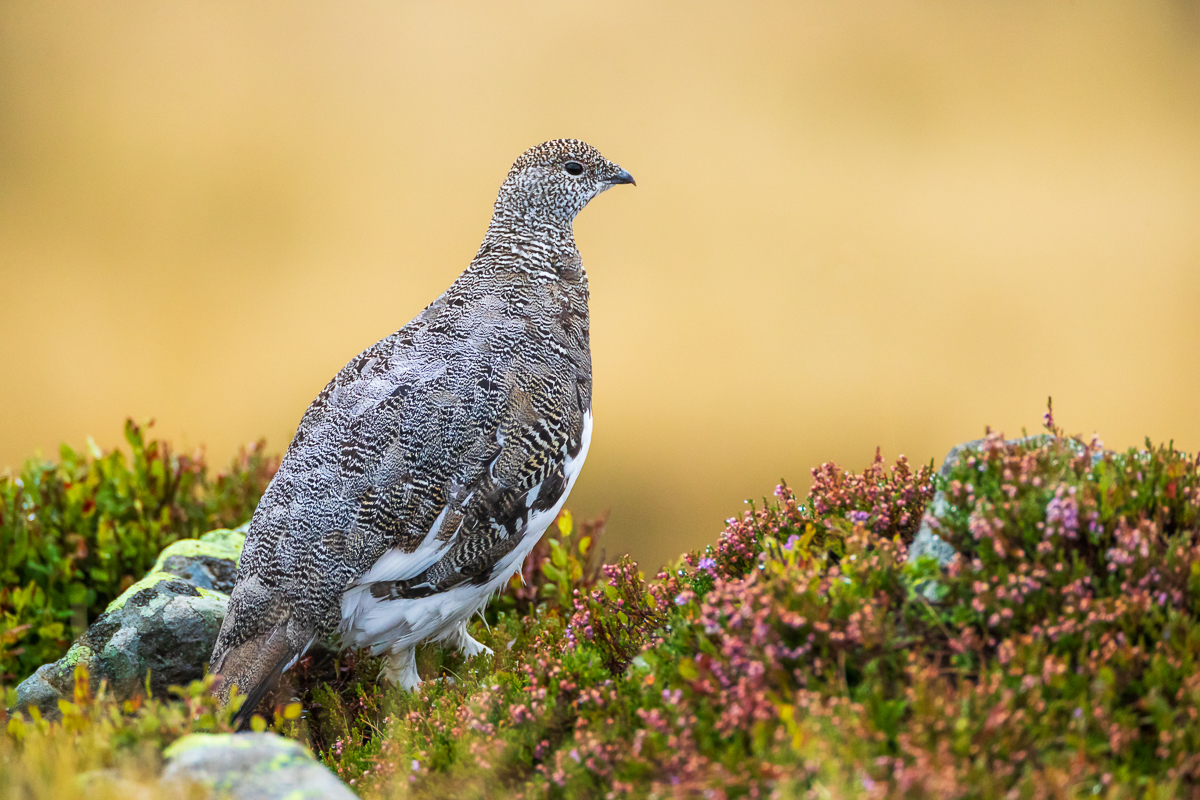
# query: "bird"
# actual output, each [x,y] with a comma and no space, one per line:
[426,470]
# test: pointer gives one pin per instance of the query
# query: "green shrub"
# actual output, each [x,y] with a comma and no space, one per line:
[75,534]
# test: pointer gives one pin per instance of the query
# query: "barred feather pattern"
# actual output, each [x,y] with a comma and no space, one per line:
[416,472]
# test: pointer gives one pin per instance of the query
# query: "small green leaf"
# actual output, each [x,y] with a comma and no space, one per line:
[77,594]
[558,556]
[16,727]
[53,630]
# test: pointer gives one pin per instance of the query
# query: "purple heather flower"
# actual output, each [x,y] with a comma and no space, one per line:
[706,563]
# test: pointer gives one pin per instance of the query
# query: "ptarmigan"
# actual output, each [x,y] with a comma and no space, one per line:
[425,472]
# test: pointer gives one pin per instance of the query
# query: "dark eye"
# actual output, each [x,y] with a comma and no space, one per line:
[573,168]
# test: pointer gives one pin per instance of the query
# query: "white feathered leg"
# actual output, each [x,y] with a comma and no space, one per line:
[400,668]
[467,644]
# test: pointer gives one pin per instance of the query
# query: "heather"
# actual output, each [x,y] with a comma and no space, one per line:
[802,654]
[77,533]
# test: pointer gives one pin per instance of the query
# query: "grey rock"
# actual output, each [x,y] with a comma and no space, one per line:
[927,542]
[164,624]
[209,562]
[251,766]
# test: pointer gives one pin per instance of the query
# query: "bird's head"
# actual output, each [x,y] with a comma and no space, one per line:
[551,182]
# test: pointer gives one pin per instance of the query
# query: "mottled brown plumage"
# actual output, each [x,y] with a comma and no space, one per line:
[429,466]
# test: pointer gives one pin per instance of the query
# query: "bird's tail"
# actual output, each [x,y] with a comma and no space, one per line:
[260,638]
[254,666]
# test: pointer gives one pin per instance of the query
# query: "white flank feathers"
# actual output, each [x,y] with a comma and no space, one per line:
[399,625]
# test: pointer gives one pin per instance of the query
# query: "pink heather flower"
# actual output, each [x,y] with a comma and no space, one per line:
[1063,513]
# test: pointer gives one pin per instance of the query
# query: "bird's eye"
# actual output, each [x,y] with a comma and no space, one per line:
[573,168]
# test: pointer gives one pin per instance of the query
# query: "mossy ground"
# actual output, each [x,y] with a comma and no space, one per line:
[802,655]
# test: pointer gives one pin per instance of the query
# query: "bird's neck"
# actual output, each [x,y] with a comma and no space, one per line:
[527,243]
[517,225]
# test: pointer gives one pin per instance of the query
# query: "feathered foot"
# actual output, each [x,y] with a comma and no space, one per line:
[467,644]
[400,668]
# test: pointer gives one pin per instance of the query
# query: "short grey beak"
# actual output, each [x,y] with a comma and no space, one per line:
[622,177]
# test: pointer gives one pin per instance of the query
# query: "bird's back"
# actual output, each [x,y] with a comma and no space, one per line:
[476,394]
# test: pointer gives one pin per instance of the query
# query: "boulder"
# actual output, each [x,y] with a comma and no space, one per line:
[251,766]
[209,562]
[164,625]
[927,542]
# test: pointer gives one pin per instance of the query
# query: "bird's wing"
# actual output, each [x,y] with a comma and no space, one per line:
[530,470]
[305,544]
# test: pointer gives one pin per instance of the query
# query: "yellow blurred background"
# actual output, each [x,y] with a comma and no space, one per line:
[883,223]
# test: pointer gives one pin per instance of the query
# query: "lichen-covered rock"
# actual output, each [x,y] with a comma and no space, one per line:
[209,562]
[164,625]
[251,766]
